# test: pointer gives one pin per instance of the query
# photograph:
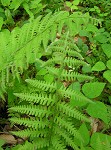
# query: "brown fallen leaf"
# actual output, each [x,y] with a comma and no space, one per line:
[96,125]
[9,139]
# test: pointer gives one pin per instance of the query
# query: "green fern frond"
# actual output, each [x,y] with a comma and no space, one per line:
[73,62]
[42,85]
[41,143]
[71,76]
[31,110]
[31,133]
[63,123]
[57,144]
[45,112]
[73,94]
[71,112]
[66,137]
[69,52]
[34,124]
[41,98]
[26,146]
[68,76]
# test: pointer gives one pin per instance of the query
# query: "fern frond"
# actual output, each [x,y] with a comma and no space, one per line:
[68,76]
[66,137]
[63,123]
[72,112]
[71,76]
[58,144]
[27,146]
[42,85]
[31,132]
[34,124]
[73,62]
[32,110]
[41,98]
[41,143]
[73,94]
[68,52]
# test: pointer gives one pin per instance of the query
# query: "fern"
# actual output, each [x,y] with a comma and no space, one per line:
[48,107]
[20,47]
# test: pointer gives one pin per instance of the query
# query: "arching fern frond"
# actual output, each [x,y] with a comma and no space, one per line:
[36,98]
[32,110]
[73,94]
[42,85]
[34,124]
[71,112]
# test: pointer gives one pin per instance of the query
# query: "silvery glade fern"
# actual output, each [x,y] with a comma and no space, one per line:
[45,109]
[48,114]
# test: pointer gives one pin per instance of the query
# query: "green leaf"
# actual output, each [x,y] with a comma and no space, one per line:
[107,75]
[83,33]
[75,86]
[108,64]
[27,9]
[86,69]
[107,49]
[84,134]
[101,38]
[49,78]
[1,22]
[109,99]
[88,148]
[2,142]
[98,110]
[99,66]
[5,2]
[91,28]
[15,4]
[93,90]
[9,16]
[34,4]
[74,7]
[69,4]
[43,71]
[76,2]
[103,139]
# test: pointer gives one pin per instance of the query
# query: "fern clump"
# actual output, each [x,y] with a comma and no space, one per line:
[47,113]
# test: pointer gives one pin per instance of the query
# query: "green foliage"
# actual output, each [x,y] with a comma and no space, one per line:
[73,5]
[100,9]
[96,89]
[98,110]
[1,144]
[100,141]
[49,114]
[14,13]
[23,46]
[51,51]
[99,66]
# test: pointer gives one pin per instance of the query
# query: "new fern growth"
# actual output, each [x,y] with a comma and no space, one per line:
[47,114]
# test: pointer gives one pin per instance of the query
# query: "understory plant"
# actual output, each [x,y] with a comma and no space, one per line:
[47,52]
[47,109]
